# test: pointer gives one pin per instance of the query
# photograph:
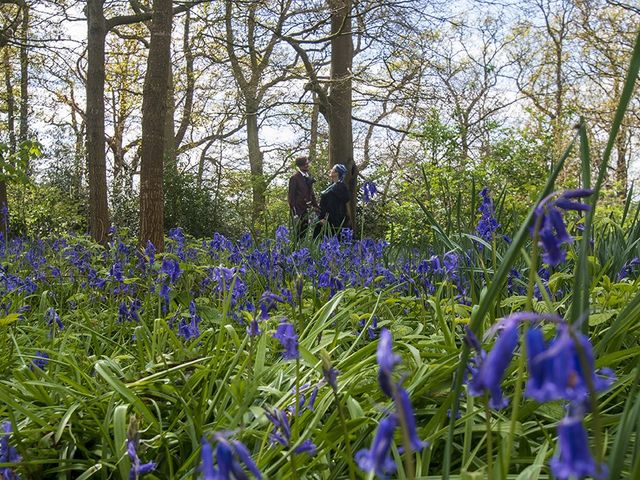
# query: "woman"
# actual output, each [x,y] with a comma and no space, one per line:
[333,201]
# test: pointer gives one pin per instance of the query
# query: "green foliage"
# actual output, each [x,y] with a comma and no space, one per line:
[42,210]
[14,166]
[192,206]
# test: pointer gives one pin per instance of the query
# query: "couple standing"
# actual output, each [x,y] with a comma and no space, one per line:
[332,211]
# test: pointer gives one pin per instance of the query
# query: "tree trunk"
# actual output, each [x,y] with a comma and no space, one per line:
[4,208]
[79,151]
[340,128]
[96,156]
[256,164]
[621,162]
[11,103]
[154,113]
[24,77]
[4,202]
[170,147]
[313,130]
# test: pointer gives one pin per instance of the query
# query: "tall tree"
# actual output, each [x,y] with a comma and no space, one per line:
[98,27]
[335,100]
[7,33]
[252,84]
[96,156]
[154,112]
[607,33]
[24,76]
[340,93]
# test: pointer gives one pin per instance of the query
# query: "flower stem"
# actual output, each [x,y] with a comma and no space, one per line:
[406,439]
[345,433]
[487,414]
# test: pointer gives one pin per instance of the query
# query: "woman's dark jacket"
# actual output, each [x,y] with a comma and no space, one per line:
[333,205]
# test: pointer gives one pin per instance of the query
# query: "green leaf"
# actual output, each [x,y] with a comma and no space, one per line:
[9,319]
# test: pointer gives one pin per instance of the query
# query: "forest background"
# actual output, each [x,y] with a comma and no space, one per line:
[429,100]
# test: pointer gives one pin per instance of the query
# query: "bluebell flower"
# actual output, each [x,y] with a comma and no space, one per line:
[8,454]
[487,225]
[282,236]
[165,291]
[628,268]
[556,371]
[377,459]
[387,360]
[117,272]
[138,469]
[302,400]
[405,413]
[346,235]
[553,233]
[372,329]
[515,286]
[307,446]
[282,432]
[574,459]
[190,329]
[150,252]
[286,335]
[268,302]
[41,360]
[230,455]
[369,190]
[331,376]
[491,367]
[171,268]
[253,330]
[51,317]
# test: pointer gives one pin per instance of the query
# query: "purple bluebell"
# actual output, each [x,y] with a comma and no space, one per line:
[491,368]
[189,329]
[372,329]
[229,456]
[117,272]
[628,268]
[8,454]
[302,400]
[207,465]
[253,330]
[487,225]
[407,418]
[150,252]
[574,459]
[41,360]
[270,300]
[286,335]
[307,447]
[165,291]
[138,469]
[171,268]
[553,233]
[52,317]
[387,360]
[377,459]
[282,432]
[282,236]
[331,377]
[369,190]
[556,371]
[515,285]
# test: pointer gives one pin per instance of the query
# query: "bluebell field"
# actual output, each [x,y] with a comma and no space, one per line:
[340,358]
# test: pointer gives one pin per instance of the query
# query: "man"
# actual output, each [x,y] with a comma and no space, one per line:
[301,197]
